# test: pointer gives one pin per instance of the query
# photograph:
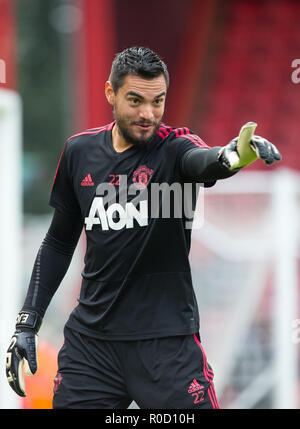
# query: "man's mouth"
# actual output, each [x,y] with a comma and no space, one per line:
[144,127]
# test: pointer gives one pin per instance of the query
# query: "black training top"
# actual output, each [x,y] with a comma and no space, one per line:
[137,216]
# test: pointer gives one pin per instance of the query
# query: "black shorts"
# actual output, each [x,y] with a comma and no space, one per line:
[161,373]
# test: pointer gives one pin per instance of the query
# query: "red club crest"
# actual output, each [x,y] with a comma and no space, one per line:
[141,176]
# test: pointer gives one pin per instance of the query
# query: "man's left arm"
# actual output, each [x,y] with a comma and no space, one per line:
[203,166]
[210,165]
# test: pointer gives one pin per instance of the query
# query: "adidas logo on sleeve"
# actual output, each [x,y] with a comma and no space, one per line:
[87,181]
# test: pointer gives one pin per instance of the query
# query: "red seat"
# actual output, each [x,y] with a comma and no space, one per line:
[252,79]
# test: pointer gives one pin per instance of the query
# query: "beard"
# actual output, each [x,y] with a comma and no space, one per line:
[125,130]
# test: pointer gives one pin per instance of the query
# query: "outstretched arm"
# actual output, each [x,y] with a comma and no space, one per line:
[210,165]
[203,166]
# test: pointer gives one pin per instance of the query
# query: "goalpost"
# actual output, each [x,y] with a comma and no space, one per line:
[10,229]
[245,262]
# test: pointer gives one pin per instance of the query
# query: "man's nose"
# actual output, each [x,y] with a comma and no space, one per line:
[146,112]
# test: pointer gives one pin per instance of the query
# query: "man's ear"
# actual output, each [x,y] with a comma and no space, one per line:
[109,93]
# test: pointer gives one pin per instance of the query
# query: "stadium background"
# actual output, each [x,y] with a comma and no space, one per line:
[229,62]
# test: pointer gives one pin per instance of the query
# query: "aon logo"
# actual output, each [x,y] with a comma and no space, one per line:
[116,216]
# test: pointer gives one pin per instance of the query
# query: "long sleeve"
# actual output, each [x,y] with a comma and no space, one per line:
[52,261]
[202,165]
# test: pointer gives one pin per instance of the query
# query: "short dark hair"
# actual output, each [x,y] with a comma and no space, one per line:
[138,61]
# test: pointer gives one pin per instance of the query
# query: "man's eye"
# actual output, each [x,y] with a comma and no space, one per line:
[134,101]
[158,101]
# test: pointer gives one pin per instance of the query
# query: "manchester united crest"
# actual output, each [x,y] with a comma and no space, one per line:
[142,176]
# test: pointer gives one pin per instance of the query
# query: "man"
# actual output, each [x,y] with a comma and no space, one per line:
[134,334]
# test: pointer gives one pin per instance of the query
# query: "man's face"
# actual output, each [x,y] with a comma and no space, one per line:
[138,107]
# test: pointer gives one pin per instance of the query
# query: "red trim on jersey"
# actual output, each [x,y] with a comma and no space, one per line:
[208,374]
[181,132]
[166,127]
[161,135]
[164,132]
[93,130]
[110,126]
[196,140]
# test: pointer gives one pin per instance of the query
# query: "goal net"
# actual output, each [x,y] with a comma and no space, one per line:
[245,262]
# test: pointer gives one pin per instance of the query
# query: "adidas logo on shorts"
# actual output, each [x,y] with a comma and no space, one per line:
[195,386]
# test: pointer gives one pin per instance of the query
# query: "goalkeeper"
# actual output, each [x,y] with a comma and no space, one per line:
[134,334]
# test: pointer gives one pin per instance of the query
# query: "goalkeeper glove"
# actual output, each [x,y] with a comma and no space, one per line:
[258,148]
[23,350]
